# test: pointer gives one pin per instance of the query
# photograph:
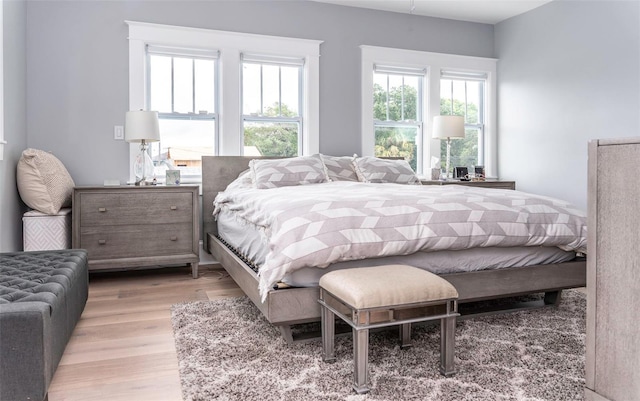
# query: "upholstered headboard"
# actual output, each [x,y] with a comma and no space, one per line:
[217,173]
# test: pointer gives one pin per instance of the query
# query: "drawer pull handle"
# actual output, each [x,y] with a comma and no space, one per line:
[174,238]
[174,207]
[102,241]
[102,209]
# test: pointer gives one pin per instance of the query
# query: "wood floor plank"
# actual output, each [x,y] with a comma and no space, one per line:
[111,371]
[87,321]
[123,346]
[132,390]
[93,351]
[123,330]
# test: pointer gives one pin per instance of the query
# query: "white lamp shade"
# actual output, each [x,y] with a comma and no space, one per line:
[141,125]
[448,127]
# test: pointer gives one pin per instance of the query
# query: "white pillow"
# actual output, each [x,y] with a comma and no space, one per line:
[373,169]
[44,183]
[339,168]
[273,173]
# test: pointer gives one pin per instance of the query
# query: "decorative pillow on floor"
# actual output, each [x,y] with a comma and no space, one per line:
[273,173]
[44,183]
[373,169]
[339,168]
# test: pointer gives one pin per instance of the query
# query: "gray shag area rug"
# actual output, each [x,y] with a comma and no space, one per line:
[228,351]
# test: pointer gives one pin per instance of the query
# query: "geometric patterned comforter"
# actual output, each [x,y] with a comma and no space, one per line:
[320,224]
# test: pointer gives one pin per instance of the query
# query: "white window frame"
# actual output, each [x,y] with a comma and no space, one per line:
[230,45]
[193,115]
[434,63]
[300,120]
[2,141]
[480,125]
[419,122]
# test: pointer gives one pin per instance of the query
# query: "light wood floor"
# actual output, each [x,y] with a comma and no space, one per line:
[123,346]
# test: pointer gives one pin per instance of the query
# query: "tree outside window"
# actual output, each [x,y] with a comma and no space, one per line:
[464,98]
[397,116]
[398,127]
[271,104]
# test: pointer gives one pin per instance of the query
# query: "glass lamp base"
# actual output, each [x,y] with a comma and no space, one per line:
[143,168]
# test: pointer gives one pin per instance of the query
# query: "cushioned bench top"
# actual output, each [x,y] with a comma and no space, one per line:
[38,276]
[388,285]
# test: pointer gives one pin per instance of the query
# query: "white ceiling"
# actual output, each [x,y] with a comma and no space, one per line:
[484,11]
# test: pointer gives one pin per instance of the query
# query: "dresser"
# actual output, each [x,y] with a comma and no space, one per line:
[128,227]
[483,184]
[613,271]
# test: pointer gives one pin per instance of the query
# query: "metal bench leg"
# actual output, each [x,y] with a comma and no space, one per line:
[447,345]
[328,327]
[405,335]
[361,360]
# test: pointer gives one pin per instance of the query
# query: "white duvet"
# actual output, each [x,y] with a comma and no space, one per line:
[320,224]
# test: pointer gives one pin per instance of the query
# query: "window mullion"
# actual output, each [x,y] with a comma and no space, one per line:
[261,92]
[402,100]
[466,103]
[193,85]
[452,109]
[280,91]
[387,97]
[379,123]
[271,119]
[172,86]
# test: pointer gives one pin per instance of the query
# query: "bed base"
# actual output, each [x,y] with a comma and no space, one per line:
[286,307]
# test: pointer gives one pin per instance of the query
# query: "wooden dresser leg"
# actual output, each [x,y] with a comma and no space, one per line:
[194,269]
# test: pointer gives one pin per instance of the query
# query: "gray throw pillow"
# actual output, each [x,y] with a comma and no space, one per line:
[339,168]
[375,170]
[273,173]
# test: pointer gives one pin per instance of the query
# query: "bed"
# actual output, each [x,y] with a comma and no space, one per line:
[284,306]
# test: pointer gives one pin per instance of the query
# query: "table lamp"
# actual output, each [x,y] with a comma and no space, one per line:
[448,127]
[142,127]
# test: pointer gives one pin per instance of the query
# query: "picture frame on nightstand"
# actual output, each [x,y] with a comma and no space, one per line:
[172,177]
[461,173]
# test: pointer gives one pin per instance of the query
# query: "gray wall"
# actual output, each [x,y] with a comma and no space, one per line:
[568,72]
[77,56]
[15,127]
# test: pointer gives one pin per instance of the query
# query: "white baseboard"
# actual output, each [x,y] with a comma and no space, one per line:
[205,257]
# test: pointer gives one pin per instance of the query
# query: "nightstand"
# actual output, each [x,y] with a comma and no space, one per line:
[128,227]
[484,184]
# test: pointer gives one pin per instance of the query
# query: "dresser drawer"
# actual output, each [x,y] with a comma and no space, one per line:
[154,207]
[109,242]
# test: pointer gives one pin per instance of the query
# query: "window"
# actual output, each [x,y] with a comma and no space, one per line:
[271,105]
[408,88]
[195,79]
[462,94]
[182,88]
[397,112]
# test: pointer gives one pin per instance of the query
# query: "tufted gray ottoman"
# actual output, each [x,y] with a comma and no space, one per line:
[42,295]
